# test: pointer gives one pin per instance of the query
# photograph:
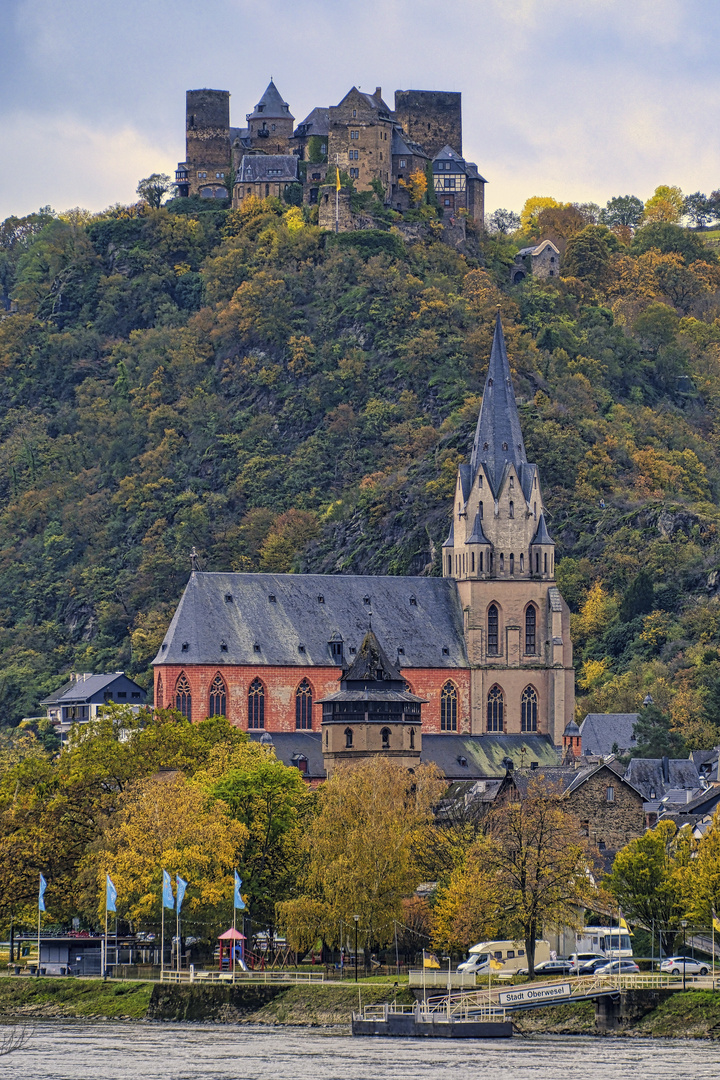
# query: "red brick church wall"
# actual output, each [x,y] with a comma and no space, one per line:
[281,684]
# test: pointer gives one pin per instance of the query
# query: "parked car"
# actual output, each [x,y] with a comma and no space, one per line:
[591,966]
[618,967]
[674,966]
[578,959]
[550,967]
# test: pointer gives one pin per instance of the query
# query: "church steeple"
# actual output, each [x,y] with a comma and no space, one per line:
[498,437]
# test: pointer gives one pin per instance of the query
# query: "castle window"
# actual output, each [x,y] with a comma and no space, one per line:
[530,630]
[385,736]
[537,563]
[218,697]
[448,707]
[183,697]
[449,564]
[479,480]
[512,509]
[256,705]
[512,482]
[522,562]
[610,794]
[159,693]
[480,566]
[512,564]
[412,738]
[546,562]
[480,507]
[303,706]
[472,562]
[502,562]
[348,738]
[495,709]
[528,710]
[492,630]
[403,164]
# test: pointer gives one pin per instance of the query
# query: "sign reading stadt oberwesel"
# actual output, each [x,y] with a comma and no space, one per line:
[534,993]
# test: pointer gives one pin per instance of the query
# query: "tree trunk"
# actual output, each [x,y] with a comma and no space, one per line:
[530,948]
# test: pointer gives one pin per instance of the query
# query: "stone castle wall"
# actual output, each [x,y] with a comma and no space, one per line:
[432,118]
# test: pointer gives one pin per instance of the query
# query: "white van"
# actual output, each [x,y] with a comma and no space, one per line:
[511,954]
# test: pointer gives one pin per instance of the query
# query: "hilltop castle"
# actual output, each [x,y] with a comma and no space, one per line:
[361,135]
[484,650]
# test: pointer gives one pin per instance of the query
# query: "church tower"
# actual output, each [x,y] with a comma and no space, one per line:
[500,553]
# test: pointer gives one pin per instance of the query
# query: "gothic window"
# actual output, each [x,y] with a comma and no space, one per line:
[512,483]
[512,564]
[492,630]
[480,567]
[159,695]
[512,509]
[183,697]
[448,707]
[385,736]
[472,562]
[502,562]
[449,569]
[531,630]
[412,738]
[545,562]
[495,709]
[528,710]
[218,697]
[348,738]
[522,562]
[481,509]
[303,706]
[256,704]
[537,563]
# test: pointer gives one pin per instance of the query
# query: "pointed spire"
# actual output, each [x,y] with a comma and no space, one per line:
[477,536]
[372,664]
[498,438]
[271,105]
[542,536]
[450,542]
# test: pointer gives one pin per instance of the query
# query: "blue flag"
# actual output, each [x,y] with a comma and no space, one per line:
[168,898]
[110,894]
[41,895]
[181,887]
[237,899]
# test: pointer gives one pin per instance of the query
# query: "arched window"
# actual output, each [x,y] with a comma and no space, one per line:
[183,697]
[522,562]
[348,738]
[545,571]
[481,509]
[528,710]
[495,709]
[472,562]
[492,630]
[412,738]
[537,563]
[512,564]
[218,697]
[502,562]
[531,630]
[159,693]
[512,508]
[448,707]
[303,706]
[385,736]
[256,704]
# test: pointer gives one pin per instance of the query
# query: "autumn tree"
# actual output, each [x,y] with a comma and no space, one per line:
[532,209]
[502,221]
[702,877]
[359,847]
[623,210]
[647,880]
[416,186]
[667,203]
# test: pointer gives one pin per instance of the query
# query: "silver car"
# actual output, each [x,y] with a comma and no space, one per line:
[618,967]
[674,966]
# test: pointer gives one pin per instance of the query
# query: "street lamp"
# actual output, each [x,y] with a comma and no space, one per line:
[683,923]
[357,920]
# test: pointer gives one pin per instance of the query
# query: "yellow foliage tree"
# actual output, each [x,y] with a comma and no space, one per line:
[665,204]
[599,612]
[467,910]
[533,208]
[165,823]
[416,187]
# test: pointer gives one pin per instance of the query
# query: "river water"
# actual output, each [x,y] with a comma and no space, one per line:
[145,1051]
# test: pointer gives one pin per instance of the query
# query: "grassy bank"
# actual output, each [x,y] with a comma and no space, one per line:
[575,1019]
[692,1015]
[87,998]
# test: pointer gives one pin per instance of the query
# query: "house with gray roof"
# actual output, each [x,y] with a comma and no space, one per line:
[78,701]
[602,734]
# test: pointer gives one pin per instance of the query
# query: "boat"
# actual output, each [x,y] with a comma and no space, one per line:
[432,1021]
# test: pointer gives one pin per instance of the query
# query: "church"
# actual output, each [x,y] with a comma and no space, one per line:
[485,648]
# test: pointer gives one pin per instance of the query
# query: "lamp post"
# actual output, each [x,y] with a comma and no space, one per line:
[683,923]
[357,920]
[449,986]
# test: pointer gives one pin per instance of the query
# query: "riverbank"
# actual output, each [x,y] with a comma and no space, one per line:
[694,1014]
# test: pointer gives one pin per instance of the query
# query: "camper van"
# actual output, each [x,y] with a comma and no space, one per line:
[609,941]
[511,954]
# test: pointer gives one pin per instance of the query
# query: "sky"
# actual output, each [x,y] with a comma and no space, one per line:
[578,99]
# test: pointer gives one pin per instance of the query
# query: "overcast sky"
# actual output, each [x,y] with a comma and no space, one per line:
[578,99]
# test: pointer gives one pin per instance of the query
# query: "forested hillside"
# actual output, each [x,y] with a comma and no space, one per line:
[284,399]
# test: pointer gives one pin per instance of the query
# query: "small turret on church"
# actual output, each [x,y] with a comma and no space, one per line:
[501,555]
[373,713]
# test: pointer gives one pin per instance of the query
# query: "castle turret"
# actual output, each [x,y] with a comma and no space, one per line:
[270,124]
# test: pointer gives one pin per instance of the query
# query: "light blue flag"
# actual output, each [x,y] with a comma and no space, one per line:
[181,887]
[41,895]
[238,900]
[110,894]
[168,898]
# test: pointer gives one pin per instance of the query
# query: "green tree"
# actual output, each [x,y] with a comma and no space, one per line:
[666,204]
[699,209]
[638,599]
[654,735]
[154,188]
[625,210]
[588,253]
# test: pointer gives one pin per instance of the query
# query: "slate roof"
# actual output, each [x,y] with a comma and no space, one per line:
[52,699]
[267,167]
[536,249]
[542,536]
[371,659]
[704,803]
[647,774]
[317,122]
[601,731]
[498,437]
[569,779]
[84,691]
[290,745]
[271,105]
[205,620]
[484,754]
[477,536]
[402,145]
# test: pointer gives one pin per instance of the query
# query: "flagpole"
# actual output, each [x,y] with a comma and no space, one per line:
[162,941]
[177,940]
[234,942]
[38,967]
[105,941]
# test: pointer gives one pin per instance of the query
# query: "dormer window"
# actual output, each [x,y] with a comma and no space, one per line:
[256,647]
[228,598]
[504,446]
[445,651]
[185,646]
[223,646]
[413,601]
[512,481]
[271,598]
[321,599]
[366,599]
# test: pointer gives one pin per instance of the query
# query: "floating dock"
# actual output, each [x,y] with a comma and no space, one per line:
[418,1022]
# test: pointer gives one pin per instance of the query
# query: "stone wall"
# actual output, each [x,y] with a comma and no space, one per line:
[614,823]
[432,118]
[207,135]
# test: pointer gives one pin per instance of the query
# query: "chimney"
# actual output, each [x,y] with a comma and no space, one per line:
[378,93]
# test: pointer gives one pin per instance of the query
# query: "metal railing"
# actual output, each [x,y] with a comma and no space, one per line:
[432,1013]
[243,977]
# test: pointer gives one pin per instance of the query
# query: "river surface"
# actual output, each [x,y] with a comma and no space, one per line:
[61,1050]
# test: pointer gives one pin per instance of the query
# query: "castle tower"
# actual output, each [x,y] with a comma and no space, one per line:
[499,551]
[373,713]
[432,118]
[270,124]
[207,142]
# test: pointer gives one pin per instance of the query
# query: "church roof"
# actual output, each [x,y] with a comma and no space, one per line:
[290,619]
[542,536]
[271,106]
[498,437]
[469,757]
[372,664]
[477,536]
